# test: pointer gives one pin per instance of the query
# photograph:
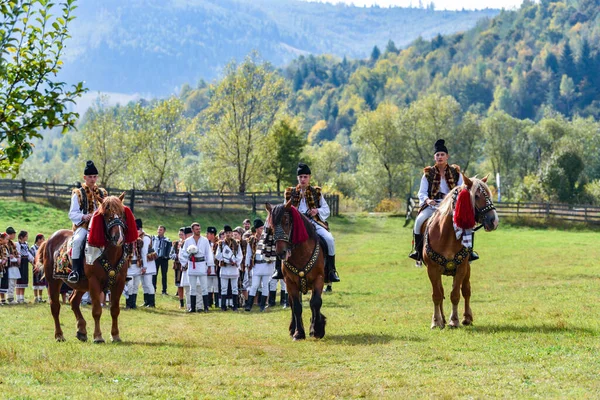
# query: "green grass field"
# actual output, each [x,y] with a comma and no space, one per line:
[535,334]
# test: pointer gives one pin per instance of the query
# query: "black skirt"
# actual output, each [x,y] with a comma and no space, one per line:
[24,270]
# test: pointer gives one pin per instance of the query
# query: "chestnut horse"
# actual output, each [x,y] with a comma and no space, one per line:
[444,254]
[115,223]
[303,265]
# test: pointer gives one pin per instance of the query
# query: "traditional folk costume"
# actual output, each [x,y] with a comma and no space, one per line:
[83,202]
[14,271]
[229,257]
[260,259]
[147,256]
[273,289]
[196,256]
[212,278]
[177,269]
[25,258]
[39,281]
[435,185]
[4,264]
[135,272]
[306,200]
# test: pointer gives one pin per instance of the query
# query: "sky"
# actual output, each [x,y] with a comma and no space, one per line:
[439,4]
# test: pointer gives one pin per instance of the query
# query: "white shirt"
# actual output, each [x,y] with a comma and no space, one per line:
[234,258]
[150,266]
[424,187]
[323,208]
[75,213]
[204,250]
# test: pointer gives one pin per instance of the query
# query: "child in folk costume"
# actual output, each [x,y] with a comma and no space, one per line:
[260,258]
[212,278]
[135,272]
[273,290]
[185,279]
[25,258]
[196,254]
[147,256]
[13,264]
[238,233]
[4,263]
[247,279]
[174,255]
[229,256]
[39,282]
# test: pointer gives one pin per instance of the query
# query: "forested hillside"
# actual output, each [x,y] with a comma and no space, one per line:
[153,46]
[518,95]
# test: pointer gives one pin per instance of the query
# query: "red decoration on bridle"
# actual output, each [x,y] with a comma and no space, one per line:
[464,213]
[299,233]
[132,233]
[96,236]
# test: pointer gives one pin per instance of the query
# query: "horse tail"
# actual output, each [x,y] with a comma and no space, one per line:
[40,259]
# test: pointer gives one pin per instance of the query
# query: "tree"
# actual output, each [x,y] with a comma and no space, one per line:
[286,144]
[391,47]
[375,54]
[31,98]
[567,91]
[236,124]
[381,141]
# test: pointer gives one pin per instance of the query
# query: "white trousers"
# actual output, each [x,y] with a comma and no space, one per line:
[134,284]
[12,284]
[147,285]
[327,236]
[262,281]
[225,283]
[212,282]
[273,285]
[198,280]
[421,218]
[78,239]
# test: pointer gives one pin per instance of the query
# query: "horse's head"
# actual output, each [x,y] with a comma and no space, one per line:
[113,212]
[280,220]
[485,211]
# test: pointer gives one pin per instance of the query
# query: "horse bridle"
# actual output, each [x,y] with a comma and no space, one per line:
[116,221]
[489,206]
[279,234]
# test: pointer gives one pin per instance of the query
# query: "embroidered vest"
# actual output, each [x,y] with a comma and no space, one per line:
[452,176]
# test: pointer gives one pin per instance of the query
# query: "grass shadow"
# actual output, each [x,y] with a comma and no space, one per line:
[491,329]
[361,339]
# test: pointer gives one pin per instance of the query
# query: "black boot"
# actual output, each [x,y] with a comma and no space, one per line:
[263,303]
[328,289]
[417,253]
[192,304]
[272,298]
[473,256]
[206,300]
[133,299]
[224,303]
[236,301]
[277,274]
[77,272]
[249,303]
[216,295]
[283,299]
[128,303]
[333,275]
[153,301]
[181,303]
[210,301]
[145,300]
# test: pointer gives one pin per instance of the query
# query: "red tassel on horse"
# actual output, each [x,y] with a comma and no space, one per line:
[464,214]
[96,235]
[132,233]
[299,233]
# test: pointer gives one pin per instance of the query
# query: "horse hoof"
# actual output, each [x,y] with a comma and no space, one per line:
[452,326]
[434,326]
[82,336]
[60,338]
[116,339]
[99,340]
[467,322]
[298,338]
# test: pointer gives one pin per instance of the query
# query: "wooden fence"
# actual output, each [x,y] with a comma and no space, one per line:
[565,212]
[190,202]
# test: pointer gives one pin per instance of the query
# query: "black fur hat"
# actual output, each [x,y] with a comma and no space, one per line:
[440,145]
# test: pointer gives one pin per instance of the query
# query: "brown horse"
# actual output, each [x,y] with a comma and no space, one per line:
[116,223]
[303,265]
[444,254]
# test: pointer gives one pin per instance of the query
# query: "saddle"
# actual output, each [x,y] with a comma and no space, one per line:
[62,260]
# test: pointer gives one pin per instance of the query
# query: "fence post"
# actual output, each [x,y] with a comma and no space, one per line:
[518,205]
[586,214]
[547,210]
[132,199]
[253,204]
[24,189]
[189,200]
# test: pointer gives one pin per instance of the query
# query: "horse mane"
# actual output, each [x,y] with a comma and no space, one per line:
[277,213]
[112,203]
[445,207]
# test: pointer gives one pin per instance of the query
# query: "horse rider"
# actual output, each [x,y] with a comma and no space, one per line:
[310,202]
[437,181]
[83,204]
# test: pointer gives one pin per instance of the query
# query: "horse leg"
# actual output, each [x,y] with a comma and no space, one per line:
[81,324]
[466,292]
[95,291]
[318,320]
[297,309]
[115,308]
[455,298]
[293,320]
[54,296]
[437,320]
[442,302]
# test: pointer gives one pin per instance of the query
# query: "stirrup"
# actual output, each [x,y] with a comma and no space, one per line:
[73,277]
[414,255]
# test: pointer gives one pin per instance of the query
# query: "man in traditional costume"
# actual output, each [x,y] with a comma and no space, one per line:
[437,181]
[310,202]
[197,255]
[229,255]
[212,277]
[260,261]
[83,204]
